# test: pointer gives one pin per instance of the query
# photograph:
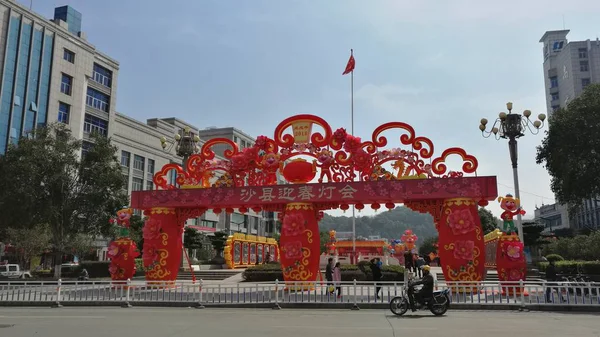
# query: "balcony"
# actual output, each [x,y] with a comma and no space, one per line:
[102,79]
[96,103]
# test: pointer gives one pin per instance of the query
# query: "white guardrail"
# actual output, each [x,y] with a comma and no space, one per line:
[351,293]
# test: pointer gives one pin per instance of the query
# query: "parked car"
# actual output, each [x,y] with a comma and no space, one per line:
[13,271]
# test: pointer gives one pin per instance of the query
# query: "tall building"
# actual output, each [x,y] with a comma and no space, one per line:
[569,67]
[51,73]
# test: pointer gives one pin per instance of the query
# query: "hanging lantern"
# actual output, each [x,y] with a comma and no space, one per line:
[299,171]
[359,206]
[229,210]
[390,205]
[257,209]
[217,211]
[483,203]
[344,207]
[243,210]
[375,206]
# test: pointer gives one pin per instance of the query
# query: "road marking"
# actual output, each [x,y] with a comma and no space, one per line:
[59,317]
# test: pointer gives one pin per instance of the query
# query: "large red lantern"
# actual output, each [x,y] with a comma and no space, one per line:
[299,171]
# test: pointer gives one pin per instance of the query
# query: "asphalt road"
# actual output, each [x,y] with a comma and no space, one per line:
[152,322]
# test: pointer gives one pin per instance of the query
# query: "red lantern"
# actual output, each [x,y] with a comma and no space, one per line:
[229,210]
[256,209]
[299,171]
[344,207]
[359,207]
[390,205]
[243,210]
[375,206]
[217,211]
[483,203]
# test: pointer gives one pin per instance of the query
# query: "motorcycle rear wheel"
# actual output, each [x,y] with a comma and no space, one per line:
[399,305]
[438,309]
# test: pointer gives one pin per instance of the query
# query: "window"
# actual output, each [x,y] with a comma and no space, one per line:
[583,66]
[98,100]
[65,84]
[553,82]
[137,184]
[582,53]
[138,162]
[102,75]
[151,166]
[69,55]
[95,124]
[64,111]
[126,181]
[149,185]
[86,147]
[585,82]
[125,158]
[557,46]
[209,224]
[554,96]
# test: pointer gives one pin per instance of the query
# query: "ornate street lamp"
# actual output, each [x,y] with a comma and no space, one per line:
[185,145]
[512,126]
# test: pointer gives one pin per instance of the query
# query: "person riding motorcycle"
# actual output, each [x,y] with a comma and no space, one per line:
[425,292]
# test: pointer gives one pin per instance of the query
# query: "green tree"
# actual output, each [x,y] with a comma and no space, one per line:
[427,247]
[45,180]
[532,233]
[192,239]
[488,221]
[218,242]
[571,149]
[324,237]
[29,242]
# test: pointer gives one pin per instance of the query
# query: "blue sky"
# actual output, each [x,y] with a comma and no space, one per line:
[438,65]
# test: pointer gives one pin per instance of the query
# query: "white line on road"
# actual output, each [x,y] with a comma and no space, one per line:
[58,317]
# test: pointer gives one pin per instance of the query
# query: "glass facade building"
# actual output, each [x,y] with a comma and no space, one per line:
[25,84]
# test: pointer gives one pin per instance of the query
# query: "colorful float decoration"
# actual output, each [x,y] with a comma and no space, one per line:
[331,243]
[409,239]
[122,251]
[243,250]
[350,170]
[505,253]
[512,208]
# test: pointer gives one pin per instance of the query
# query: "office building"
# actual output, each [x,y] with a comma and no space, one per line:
[553,217]
[51,73]
[569,67]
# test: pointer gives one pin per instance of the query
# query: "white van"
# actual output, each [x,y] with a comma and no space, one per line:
[13,271]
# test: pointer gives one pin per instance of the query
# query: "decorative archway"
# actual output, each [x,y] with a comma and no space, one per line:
[348,170]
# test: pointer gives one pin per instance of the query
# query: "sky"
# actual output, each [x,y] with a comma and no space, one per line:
[438,65]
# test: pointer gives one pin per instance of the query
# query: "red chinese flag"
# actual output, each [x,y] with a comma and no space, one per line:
[350,65]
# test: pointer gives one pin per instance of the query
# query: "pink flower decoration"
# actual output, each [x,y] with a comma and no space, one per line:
[293,250]
[152,229]
[463,250]
[513,251]
[515,275]
[461,222]
[113,251]
[150,255]
[293,224]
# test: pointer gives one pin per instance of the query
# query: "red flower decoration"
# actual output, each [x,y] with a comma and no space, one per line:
[352,143]
[293,250]
[515,275]
[261,142]
[340,135]
[461,222]
[152,229]
[150,255]
[293,224]
[463,250]
[361,159]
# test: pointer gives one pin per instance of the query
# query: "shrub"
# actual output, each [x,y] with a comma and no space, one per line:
[96,269]
[263,273]
[554,257]
[272,271]
[574,267]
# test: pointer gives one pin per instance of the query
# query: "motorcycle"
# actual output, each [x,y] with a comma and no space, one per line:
[438,304]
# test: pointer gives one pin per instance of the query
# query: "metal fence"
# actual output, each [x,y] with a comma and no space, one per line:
[279,293]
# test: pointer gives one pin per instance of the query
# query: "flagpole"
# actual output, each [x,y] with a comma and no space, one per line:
[352,131]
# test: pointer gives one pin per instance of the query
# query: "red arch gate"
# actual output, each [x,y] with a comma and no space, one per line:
[350,171]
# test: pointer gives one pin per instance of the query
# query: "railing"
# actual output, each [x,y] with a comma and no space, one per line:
[355,293]
[102,79]
[96,103]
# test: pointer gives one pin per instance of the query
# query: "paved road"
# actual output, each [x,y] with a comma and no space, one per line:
[150,322]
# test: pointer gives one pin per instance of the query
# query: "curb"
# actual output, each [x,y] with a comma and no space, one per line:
[348,306]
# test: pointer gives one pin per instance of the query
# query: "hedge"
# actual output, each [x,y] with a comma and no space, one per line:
[554,257]
[574,267]
[273,271]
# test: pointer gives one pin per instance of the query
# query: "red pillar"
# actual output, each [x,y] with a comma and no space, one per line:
[461,246]
[162,245]
[510,263]
[300,246]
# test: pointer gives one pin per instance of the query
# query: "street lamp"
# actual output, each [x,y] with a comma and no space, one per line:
[512,126]
[185,145]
